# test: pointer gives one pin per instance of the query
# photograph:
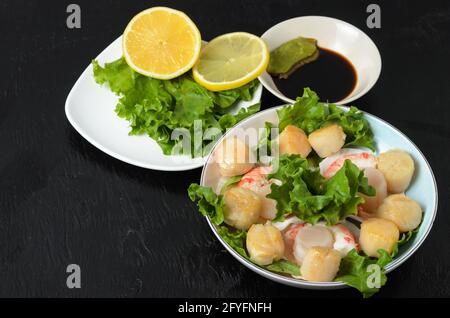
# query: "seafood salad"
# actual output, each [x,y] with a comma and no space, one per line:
[326,208]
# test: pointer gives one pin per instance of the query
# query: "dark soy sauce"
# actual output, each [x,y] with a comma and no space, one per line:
[332,76]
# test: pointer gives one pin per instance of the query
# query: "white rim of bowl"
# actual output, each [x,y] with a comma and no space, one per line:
[345,100]
[320,285]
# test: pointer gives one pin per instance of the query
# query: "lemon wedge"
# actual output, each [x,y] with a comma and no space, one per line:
[161,42]
[230,61]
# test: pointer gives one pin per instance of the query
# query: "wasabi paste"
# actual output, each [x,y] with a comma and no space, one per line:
[291,55]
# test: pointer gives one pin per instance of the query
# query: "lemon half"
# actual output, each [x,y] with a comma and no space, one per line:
[230,61]
[161,42]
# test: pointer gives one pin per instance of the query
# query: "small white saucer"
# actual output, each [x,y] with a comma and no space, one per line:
[333,34]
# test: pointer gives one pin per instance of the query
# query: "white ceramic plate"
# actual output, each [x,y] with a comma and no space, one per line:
[90,110]
[333,34]
[423,189]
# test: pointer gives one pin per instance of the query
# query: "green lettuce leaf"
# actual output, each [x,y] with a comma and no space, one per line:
[229,183]
[356,271]
[264,146]
[209,203]
[228,98]
[284,267]
[229,120]
[212,205]
[407,236]
[118,75]
[404,238]
[310,114]
[305,193]
[156,107]
[235,238]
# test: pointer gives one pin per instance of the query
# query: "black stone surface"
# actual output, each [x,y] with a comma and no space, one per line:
[133,231]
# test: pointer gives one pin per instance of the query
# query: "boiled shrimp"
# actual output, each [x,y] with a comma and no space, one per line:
[344,240]
[299,237]
[257,181]
[362,159]
[289,235]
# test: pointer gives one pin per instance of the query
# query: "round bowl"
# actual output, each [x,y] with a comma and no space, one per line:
[333,34]
[423,189]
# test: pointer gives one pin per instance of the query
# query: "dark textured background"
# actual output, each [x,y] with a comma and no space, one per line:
[133,231]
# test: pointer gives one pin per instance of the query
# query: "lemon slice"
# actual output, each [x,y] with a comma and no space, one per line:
[161,42]
[231,60]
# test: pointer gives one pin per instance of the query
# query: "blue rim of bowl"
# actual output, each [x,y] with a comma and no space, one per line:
[346,100]
[321,285]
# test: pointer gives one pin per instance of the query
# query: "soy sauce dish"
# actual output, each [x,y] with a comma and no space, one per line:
[334,197]
[345,66]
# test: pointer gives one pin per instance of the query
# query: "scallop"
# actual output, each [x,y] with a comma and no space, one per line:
[234,157]
[405,212]
[378,234]
[242,208]
[376,179]
[321,264]
[328,140]
[264,244]
[310,236]
[257,181]
[293,140]
[398,169]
